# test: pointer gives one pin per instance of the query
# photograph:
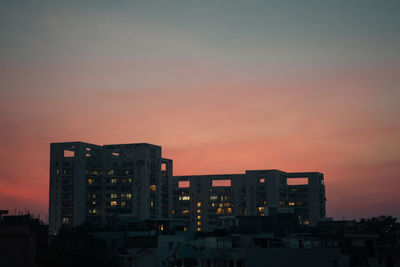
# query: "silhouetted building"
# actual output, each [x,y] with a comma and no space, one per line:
[91,184]
[201,199]
[23,240]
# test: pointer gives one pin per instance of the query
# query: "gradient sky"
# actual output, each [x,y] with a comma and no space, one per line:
[222,86]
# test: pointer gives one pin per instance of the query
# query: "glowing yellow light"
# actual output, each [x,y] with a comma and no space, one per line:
[198,229]
[198,217]
[199,211]
[261,209]
[153,188]
[198,204]
[185,211]
[198,223]
[291,204]
[90,181]
[113,203]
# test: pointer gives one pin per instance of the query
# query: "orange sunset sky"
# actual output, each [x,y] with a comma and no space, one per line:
[222,86]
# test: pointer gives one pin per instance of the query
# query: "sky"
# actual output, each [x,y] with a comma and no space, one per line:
[222,86]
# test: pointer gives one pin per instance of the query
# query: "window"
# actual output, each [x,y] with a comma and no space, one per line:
[113,203]
[123,203]
[297,181]
[90,181]
[213,197]
[114,195]
[184,184]
[69,153]
[129,196]
[113,181]
[262,180]
[291,204]
[198,204]
[221,182]
[184,198]
[153,188]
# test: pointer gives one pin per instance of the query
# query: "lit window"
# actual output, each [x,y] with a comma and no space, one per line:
[129,180]
[262,180]
[184,184]
[213,197]
[123,203]
[229,211]
[114,195]
[185,211]
[221,205]
[198,229]
[219,211]
[113,181]
[173,211]
[184,198]
[65,220]
[110,172]
[113,203]
[199,211]
[198,223]
[90,181]
[260,209]
[128,195]
[198,217]
[185,229]
[162,227]
[92,211]
[152,204]
[291,204]
[306,222]
[153,188]
[198,204]
[93,202]
[213,205]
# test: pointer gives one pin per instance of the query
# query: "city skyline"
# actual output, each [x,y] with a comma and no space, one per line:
[222,87]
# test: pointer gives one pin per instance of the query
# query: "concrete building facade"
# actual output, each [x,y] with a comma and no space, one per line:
[201,199]
[92,184]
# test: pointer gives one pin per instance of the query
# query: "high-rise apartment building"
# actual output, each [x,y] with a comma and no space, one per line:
[92,184]
[201,199]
